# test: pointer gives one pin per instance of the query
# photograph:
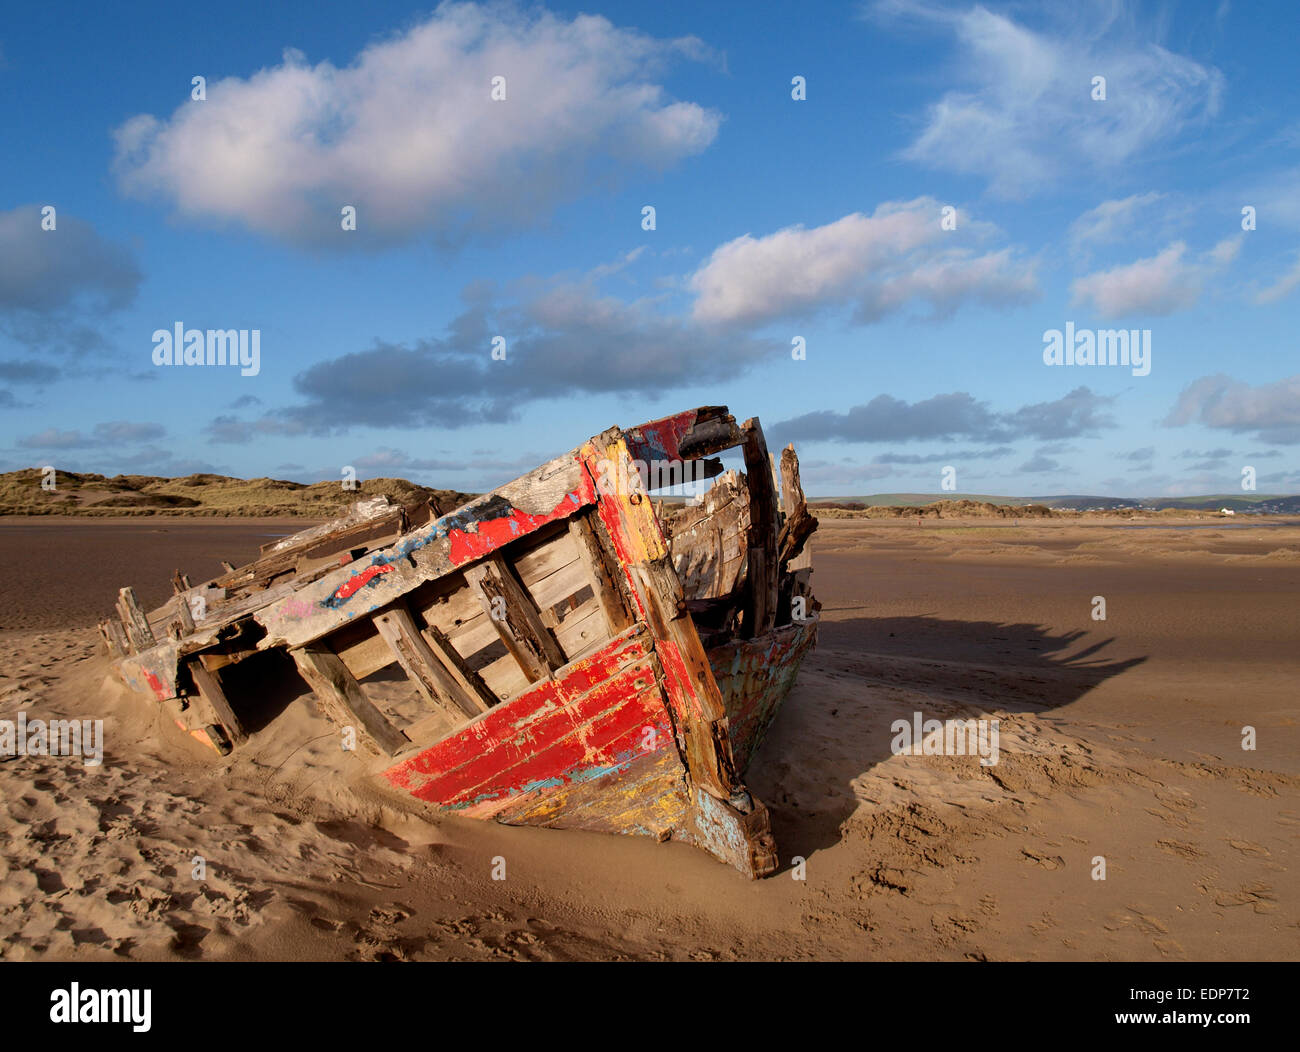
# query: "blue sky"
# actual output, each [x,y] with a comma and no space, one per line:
[776,218]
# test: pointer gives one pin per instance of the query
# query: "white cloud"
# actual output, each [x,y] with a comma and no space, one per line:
[1159,284]
[1110,220]
[1219,401]
[1283,287]
[878,262]
[1024,115]
[409,134]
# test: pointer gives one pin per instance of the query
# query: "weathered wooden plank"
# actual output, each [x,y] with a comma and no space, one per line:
[710,541]
[515,618]
[509,739]
[114,640]
[583,630]
[320,552]
[549,493]
[547,558]
[338,689]
[209,688]
[503,676]
[596,565]
[471,684]
[134,621]
[182,606]
[450,604]
[429,675]
[697,706]
[684,436]
[760,609]
[360,516]
[796,553]
[472,635]
[555,589]
[363,653]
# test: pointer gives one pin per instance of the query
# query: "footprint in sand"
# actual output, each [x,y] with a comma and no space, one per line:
[1258,895]
[1138,918]
[1046,861]
[1181,849]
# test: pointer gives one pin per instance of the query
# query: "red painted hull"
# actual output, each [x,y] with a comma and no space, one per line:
[595,748]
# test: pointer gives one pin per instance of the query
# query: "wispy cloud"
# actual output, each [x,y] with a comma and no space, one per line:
[112,433]
[1023,116]
[1160,284]
[889,419]
[1286,284]
[1110,220]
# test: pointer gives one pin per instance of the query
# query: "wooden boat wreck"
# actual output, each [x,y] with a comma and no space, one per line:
[581,659]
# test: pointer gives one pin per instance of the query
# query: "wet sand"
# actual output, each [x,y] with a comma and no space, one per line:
[1119,740]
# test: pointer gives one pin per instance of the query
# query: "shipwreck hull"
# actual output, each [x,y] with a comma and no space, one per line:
[754,677]
[577,660]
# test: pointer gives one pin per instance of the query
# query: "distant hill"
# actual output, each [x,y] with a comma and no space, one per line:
[199,495]
[205,495]
[1261,503]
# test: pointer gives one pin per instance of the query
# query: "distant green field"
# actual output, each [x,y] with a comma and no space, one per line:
[1275,501]
[889,500]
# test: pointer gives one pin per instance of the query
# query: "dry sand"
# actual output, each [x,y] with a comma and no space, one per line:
[1118,738]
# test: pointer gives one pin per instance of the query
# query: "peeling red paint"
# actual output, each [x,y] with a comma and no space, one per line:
[660,438]
[546,732]
[358,581]
[491,534]
[156,685]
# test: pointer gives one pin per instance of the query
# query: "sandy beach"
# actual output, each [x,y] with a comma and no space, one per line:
[1119,739]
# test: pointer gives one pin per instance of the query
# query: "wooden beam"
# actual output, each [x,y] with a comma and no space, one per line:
[118,633]
[134,621]
[515,618]
[183,615]
[341,695]
[114,638]
[698,711]
[760,607]
[793,542]
[478,692]
[209,688]
[180,582]
[429,675]
[547,494]
[602,581]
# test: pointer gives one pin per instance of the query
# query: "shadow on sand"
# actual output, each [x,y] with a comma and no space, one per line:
[865,673]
